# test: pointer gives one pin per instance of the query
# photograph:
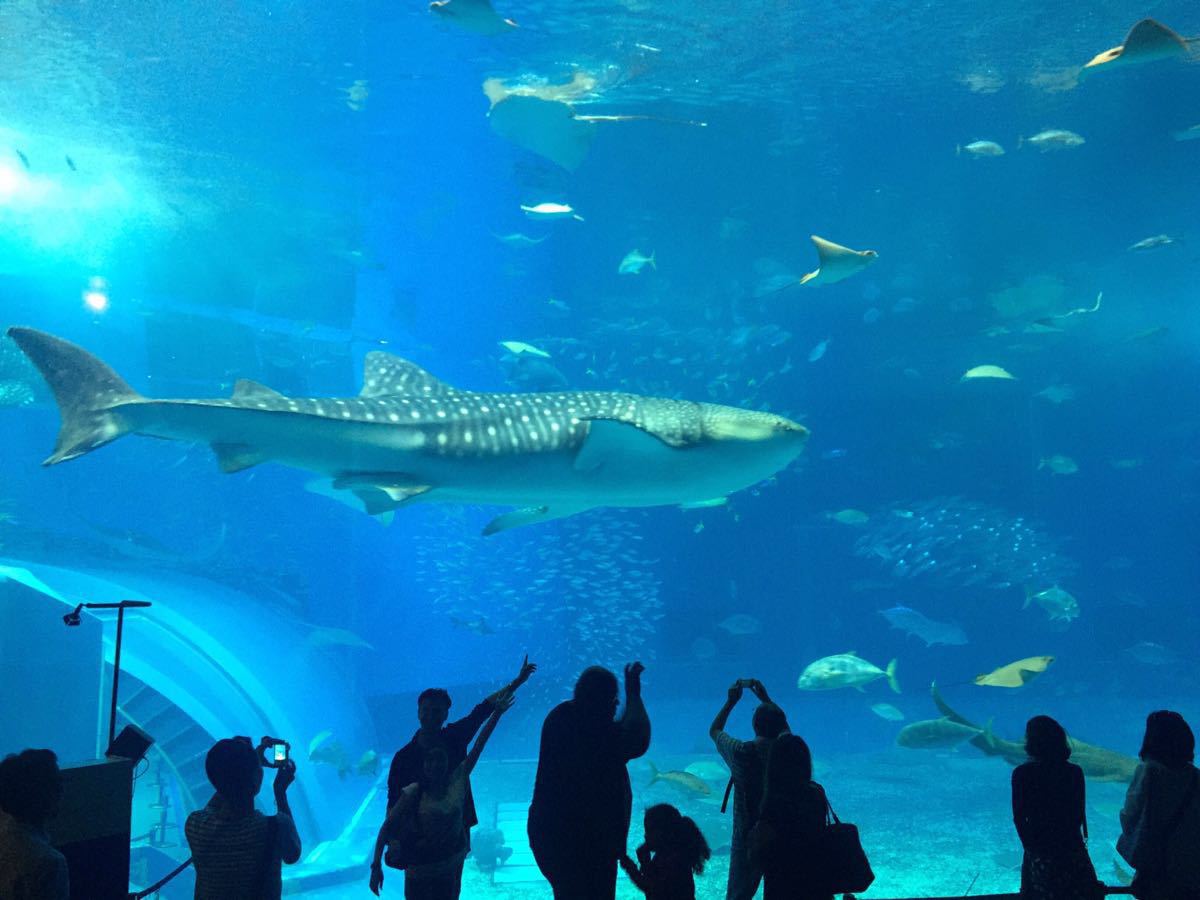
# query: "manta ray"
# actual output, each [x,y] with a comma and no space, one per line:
[1147,41]
[408,437]
[837,262]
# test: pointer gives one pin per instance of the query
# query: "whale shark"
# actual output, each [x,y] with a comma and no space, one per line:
[408,437]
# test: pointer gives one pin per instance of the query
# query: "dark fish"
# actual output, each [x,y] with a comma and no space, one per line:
[24,159]
[70,164]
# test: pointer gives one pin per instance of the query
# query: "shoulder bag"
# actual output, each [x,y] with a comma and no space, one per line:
[844,864]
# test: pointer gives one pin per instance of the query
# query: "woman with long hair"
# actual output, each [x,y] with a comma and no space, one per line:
[790,823]
[1160,824]
[1048,810]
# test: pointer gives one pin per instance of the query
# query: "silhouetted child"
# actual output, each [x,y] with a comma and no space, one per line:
[674,851]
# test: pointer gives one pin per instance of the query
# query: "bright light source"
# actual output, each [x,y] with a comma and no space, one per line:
[95,297]
[10,182]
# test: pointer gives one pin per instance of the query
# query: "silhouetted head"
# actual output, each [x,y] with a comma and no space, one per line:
[660,822]
[768,721]
[669,831]
[789,769]
[30,786]
[596,692]
[234,769]
[1169,739]
[435,768]
[1046,740]
[433,707]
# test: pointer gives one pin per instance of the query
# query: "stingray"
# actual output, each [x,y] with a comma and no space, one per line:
[473,15]
[552,129]
[1147,41]
[548,128]
[837,262]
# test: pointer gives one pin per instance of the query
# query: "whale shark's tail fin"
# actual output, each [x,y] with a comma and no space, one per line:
[86,390]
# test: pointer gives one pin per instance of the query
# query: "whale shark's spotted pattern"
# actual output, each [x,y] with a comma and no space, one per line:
[465,423]
[409,436]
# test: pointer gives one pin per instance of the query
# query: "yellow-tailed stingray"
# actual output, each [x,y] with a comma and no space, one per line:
[837,262]
[1147,41]
[551,128]
[473,15]
[1015,674]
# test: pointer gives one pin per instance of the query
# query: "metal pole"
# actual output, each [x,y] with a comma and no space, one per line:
[112,715]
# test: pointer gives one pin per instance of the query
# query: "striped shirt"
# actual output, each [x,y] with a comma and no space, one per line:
[30,869]
[231,854]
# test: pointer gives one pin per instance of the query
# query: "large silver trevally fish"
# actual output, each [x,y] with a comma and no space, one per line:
[409,437]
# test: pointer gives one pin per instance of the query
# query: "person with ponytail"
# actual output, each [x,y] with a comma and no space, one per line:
[674,850]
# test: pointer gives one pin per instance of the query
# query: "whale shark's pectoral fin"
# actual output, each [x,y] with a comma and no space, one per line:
[381,492]
[236,457]
[610,440]
[530,515]
[705,504]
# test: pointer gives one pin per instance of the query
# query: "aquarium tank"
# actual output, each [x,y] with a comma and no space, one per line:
[850,348]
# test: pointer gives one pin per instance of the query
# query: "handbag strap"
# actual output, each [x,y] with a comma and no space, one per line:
[831,818]
[728,791]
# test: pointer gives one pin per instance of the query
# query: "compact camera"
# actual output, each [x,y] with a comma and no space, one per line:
[274,752]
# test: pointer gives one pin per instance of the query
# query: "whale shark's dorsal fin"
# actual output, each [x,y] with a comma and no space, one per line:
[245,389]
[387,375]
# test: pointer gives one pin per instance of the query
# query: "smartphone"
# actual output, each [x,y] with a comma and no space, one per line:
[279,753]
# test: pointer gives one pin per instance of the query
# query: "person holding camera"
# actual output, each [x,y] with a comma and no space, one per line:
[236,850]
[747,761]
[424,831]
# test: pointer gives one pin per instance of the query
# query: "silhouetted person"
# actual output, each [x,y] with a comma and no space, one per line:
[1048,810]
[236,850]
[747,761]
[427,819]
[579,818]
[30,791]
[790,823]
[673,852]
[433,707]
[1160,824]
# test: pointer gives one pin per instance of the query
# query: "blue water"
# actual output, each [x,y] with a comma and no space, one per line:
[251,215]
